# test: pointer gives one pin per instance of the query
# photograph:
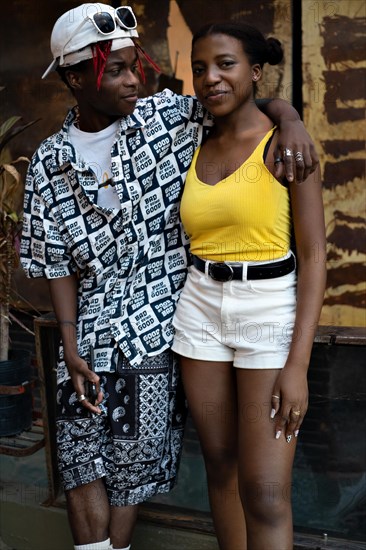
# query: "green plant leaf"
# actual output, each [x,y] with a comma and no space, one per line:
[11,132]
[11,203]
[8,124]
[13,216]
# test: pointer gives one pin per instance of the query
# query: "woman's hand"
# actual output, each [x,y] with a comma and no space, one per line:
[295,152]
[80,375]
[289,402]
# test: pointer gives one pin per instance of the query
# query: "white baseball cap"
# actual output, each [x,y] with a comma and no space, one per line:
[87,24]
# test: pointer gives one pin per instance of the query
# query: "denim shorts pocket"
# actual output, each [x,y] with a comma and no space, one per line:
[273,286]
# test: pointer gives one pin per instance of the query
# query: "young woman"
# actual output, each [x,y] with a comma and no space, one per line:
[246,318]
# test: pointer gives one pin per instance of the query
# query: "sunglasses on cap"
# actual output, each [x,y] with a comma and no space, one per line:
[106,24]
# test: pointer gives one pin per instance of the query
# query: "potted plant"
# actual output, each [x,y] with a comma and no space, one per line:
[15,398]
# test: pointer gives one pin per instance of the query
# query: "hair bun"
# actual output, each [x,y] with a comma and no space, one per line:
[275,51]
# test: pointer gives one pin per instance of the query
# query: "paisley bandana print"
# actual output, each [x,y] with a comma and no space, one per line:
[135,444]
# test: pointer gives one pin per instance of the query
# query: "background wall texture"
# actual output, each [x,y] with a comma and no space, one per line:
[332,77]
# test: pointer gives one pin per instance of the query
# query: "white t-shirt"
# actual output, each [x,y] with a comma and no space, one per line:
[95,149]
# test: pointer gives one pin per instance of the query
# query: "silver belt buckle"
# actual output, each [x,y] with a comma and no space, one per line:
[227,272]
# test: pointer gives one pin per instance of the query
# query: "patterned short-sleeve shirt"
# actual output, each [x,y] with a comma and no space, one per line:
[131,262]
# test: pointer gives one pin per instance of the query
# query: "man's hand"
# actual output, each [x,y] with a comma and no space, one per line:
[295,156]
[63,293]
[81,374]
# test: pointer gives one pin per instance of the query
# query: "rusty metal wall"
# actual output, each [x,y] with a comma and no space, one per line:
[334,71]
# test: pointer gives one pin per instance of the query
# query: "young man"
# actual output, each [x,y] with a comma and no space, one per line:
[102,224]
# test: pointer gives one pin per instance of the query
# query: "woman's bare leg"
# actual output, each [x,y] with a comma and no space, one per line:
[211,394]
[265,464]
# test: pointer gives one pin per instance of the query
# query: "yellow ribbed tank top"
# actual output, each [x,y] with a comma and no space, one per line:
[244,217]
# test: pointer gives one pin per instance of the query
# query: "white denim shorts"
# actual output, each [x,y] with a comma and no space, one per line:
[249,322]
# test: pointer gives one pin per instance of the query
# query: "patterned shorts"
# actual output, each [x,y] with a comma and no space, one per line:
[135,444]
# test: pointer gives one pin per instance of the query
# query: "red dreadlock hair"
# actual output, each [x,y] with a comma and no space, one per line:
[101,51]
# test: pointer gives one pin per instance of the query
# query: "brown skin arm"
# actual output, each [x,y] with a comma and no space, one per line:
[309,226]
[292,135]
[63,293]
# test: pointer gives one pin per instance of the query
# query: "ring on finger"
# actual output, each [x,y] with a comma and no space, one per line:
[299,157]
[277,160]
[276,396]
[288,153]
[81,398]
[297,413]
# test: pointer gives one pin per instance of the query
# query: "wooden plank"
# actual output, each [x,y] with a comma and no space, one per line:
[23,444]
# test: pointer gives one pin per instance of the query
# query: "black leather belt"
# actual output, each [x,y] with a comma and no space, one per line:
[223,272]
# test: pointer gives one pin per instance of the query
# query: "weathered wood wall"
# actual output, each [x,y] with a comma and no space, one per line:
[272,17]
[334,71]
